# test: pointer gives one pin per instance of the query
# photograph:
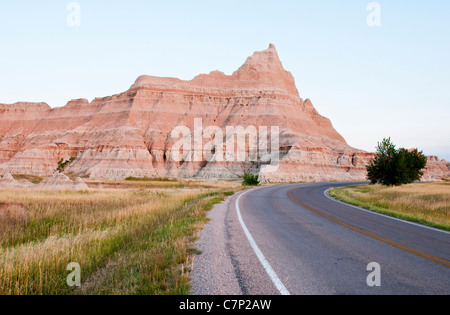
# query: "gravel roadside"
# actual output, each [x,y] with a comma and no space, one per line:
[213,272]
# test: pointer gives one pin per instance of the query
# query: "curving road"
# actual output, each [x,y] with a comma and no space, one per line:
[294,239]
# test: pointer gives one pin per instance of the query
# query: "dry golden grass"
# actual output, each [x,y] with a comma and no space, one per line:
[427,203]
[161,184]
[128,241]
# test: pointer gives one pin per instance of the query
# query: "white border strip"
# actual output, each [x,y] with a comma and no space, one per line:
[273,276]
[327,194]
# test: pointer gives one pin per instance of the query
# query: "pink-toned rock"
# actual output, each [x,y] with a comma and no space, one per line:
[436,169]
[60,181]
[8,181]
[129,134]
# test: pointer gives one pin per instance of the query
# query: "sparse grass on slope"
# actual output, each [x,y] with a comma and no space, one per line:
[127,242]
[422,203]
[31,178]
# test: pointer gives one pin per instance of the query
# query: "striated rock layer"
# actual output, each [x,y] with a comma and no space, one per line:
[129,134]
[436,169]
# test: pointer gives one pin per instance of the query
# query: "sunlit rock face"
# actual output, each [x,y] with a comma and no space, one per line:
[131,134]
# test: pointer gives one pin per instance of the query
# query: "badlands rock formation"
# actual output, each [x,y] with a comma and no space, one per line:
[436,169]
[8,181]
[130,134]
[60,181]
[55,182]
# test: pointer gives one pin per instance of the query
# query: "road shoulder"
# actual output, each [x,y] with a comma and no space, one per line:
[213,272]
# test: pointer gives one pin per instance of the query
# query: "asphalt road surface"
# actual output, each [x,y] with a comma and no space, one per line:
[296,240]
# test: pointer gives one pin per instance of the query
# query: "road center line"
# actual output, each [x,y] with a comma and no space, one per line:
[271,273]
[327,194]
[369,234]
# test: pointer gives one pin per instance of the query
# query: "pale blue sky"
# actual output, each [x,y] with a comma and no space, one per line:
[372,82]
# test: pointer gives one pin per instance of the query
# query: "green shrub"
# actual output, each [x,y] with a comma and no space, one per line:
[250,179]
[395,167]
[63,164]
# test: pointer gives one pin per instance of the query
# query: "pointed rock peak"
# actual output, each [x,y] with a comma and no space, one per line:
[265,68]
[266,60]
[273,50]
[310,107]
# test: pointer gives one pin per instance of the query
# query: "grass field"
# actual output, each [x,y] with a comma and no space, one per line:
[127,240]
[425,203]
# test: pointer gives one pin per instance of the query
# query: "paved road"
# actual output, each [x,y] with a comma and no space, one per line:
[295,240]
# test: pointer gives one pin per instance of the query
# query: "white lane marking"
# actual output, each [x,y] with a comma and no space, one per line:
[327,194]
[273,276]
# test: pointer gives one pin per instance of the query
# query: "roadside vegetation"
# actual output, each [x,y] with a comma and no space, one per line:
[250,179]
[395,167]
[144,183]
[127,241]
[425,203]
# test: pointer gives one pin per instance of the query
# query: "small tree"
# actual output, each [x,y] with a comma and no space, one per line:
[63,164]
[250,179]
[395,167]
